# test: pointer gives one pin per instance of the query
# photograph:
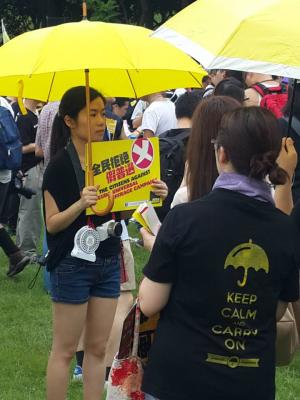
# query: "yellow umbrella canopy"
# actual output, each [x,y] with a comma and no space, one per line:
[256,35]
[122,61]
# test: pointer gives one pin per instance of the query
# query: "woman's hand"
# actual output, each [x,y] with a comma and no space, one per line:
[288,157]
[160,188]
[148,239]
[89,196]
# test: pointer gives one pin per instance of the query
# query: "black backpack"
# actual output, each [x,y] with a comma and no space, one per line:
[172,150]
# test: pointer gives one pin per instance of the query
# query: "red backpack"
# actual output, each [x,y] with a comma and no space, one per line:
[273,98]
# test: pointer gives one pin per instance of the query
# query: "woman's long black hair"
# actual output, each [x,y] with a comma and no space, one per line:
[72,102]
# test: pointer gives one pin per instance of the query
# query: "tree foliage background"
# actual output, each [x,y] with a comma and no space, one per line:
[22,15]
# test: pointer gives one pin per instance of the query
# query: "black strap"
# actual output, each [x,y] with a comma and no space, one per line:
[34,279]
[76,165]
[180,137]
[265,90]
[295,124]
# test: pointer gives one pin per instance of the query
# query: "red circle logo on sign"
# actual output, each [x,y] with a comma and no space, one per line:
[142,153]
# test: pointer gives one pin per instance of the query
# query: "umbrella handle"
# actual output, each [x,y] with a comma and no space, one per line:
[84,10]
[20,97]
[108,208]
[243,283]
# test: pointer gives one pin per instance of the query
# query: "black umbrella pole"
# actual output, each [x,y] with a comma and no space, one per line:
[292,107]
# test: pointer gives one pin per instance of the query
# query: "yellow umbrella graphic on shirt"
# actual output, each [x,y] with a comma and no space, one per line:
[247,255]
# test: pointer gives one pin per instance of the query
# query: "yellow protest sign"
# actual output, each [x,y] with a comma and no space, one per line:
[126,168]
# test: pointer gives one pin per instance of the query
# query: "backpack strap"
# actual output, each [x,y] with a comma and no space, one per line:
[76,164]
[260,89]
[295,124]
[176,141]
[263,90]
[181,136]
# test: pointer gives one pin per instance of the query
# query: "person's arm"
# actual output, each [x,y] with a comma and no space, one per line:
[28,148]
[281,309]
[161,270]
[136,122]
[147,133]
[153,296]
[251,98]
[287,160]
[150,122]
[57,221]
[148,239]
[39,151]
[160,188]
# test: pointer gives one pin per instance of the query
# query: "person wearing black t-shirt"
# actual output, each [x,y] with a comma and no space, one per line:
[84,293]
[222,271]
[185,107]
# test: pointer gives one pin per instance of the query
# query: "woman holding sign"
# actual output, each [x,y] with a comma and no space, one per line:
[85,287]
[221,272]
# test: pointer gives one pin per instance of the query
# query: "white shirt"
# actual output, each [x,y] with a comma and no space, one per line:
[209,90]
[4,103]
[139,109]
[159,117]
[180,197]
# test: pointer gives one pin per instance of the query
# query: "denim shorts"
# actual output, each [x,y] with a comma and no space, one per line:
[74,280]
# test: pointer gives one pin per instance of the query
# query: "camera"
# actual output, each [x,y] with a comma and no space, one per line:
[19,187]
[109,229]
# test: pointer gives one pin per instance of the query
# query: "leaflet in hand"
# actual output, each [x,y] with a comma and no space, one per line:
[147,217]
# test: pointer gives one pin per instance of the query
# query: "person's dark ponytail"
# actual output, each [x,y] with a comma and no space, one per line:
[252,141]
[265,165]
[72,102]
[59,136]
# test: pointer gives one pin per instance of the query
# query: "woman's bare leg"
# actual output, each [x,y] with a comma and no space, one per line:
[68,322]
[100,316]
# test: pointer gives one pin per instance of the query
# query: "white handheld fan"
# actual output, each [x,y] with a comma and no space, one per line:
[86,242]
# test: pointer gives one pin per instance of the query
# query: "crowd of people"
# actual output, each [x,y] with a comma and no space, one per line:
[225,262]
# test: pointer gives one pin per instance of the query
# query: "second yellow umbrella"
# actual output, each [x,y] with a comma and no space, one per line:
[255,35]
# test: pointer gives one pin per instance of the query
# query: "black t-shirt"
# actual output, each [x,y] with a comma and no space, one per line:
[27,125]
[230,259]
[296,215]
[60,181]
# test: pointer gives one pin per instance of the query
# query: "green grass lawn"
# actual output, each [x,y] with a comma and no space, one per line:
[25,338]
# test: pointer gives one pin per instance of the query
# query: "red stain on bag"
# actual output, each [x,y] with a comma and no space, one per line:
[129,378]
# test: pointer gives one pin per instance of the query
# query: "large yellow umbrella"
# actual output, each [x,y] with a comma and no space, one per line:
[122,61]
[247,35]
[119,60]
